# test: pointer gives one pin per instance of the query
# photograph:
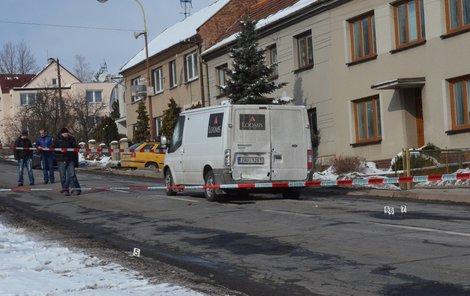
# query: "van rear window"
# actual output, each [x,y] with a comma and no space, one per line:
[215,125]
[253,122]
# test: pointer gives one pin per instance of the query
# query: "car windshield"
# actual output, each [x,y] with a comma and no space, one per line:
[135,146]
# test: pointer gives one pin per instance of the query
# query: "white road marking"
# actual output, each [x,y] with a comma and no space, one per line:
[426,229]
[288,213]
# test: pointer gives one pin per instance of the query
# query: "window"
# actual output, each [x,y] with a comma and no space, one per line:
[304,50]
[409,22]
[158,127]
[134,83]
[362,33]
[191,66]
[457,15]
[222,78]
[172,70]
[54,81]
[94,96]
[367,119]
[177,138]
[158,80]
[27,99]
[459,89]
[271,59]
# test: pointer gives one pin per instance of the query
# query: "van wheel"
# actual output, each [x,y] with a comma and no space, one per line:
[211,194]
[151,165]
[291,194]
[169,182]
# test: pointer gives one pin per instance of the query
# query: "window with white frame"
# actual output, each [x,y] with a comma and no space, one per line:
[158,80]
[27,99]
[271,59]
[135,82]
[94,96]
[158,127]
[221,78]
[191,61]
[172,71]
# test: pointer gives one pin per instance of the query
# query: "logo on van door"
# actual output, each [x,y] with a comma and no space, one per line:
[252,122]
[215,125]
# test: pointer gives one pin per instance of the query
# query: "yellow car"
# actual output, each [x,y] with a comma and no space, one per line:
[137,159]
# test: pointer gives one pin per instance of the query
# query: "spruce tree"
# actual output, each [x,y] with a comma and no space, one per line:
[170,117]
[249,80]
[141,133]
[106,131]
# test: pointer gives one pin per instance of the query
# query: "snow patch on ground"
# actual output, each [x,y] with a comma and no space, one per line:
[31,267]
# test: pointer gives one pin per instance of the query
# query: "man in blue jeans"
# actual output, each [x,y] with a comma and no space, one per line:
[66,162]
[47,157]
[24,157]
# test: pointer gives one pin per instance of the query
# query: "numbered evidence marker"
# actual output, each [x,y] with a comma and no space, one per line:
[136,252]
[391,210]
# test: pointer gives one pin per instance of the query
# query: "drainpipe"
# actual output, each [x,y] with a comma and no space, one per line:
[199,47]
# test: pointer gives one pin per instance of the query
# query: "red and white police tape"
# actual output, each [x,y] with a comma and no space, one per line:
[314,183]
[93,150]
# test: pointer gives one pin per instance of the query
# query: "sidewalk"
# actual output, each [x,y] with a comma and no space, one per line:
[460,195]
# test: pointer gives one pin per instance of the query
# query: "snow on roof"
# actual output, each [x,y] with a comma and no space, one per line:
[264,22]
[177,33]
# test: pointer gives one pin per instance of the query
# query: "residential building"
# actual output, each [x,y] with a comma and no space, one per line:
[7,83]
[176,69]
[376,76]
[53,77]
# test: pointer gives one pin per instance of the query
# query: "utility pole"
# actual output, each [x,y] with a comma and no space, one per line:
[59,84]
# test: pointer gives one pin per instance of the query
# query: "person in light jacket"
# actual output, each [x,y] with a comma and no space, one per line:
[24,157]
[47,157]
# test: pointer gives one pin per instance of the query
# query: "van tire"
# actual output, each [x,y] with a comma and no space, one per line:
[211,194]
[291,194]
[169,182]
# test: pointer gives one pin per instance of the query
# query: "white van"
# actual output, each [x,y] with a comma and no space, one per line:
[230,144]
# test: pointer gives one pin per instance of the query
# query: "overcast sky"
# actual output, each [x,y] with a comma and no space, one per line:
[50,28]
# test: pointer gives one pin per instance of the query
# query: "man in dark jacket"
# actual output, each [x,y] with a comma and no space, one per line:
[65,162]
[47,157]
[24,157]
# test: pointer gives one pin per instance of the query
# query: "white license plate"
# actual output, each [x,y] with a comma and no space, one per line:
[250,160]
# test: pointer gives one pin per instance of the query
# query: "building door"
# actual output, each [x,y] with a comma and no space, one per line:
[419,118]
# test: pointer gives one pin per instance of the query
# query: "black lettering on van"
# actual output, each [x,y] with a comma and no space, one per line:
[252,122]
[215,125]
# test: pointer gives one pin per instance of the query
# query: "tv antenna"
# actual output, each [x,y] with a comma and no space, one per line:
[187,5]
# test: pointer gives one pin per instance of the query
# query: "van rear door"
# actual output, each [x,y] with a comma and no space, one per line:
[251,144]
[289,143]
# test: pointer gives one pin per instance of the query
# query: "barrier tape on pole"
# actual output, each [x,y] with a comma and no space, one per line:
[314,183]
[93,150]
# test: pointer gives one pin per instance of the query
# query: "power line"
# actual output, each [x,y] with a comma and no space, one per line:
[66,26]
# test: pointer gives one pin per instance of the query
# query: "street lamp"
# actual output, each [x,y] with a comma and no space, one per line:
[149,84]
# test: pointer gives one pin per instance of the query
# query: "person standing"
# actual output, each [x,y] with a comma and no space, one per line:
[24,157]
[65,162]
[47,157]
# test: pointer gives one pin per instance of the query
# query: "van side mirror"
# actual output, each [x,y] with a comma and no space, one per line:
[163,142]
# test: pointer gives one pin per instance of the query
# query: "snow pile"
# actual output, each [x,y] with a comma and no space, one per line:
[369,170]
[44,268]
[101,161]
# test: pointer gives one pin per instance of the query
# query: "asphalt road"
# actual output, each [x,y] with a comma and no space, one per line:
[324,244]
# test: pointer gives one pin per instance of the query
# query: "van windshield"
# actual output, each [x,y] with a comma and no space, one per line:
[177,138]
